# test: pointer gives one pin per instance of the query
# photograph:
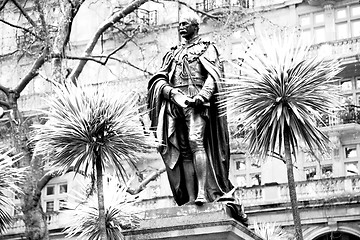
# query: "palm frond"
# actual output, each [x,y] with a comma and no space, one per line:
[120,213]
[11,178]
[81,123]
[270,231]
[282,89]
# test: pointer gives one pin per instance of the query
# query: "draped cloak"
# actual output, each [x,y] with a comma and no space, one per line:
[216,132]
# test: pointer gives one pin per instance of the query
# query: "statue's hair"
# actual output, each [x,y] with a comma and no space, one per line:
[191,18]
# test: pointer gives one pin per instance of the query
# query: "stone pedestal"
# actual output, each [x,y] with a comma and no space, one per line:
[211,221]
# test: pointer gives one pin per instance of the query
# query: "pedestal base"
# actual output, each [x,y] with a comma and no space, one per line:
[211,221]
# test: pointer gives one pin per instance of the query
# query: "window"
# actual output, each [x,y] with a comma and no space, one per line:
[49,206]
[256,179]
[327,171]
[63,188]
[313,26]
[350,152]
[50,190]
[55,197]
[351,169]
[62,204]
[346,85]
[347,21]
[346,100]
[240,164]
[241,180]
[310,173]
[357,83]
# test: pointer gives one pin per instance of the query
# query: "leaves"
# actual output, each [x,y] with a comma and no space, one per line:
[82,123]
[281,88]
[10,178]
[269,231]
[119,212]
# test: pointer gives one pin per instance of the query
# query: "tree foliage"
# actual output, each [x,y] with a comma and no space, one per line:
[281,94]
[10,179]
[119,212]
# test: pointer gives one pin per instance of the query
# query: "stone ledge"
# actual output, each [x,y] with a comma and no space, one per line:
[208,222]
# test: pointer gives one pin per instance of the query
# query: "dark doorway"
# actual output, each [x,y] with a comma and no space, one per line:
[337,236]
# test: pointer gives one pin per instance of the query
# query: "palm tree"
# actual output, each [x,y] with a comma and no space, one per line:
[281,95]
[119,212]
[10,179]
[90,131]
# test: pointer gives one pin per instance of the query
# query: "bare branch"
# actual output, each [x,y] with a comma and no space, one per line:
[50,175]
[22,28]
[195,10]
[22,10]
[144,183]
[9,54]
[2,5]
[104,26]
[5,90]
[42,20]
[4,104]
[122,45]
[33,71]
[94,59]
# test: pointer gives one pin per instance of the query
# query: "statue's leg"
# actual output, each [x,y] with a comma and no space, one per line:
[187,159]
[189,173]
[196,140]
[200,160]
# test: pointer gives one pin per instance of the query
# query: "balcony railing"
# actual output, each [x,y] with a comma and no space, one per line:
[350,114]
[55,220]
[210,5]
[307,190]
[141,17]
[338,48]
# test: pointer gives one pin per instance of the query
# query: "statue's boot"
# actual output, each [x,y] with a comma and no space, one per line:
[200,161]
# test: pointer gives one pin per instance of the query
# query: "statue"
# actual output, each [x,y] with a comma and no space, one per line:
[185,114]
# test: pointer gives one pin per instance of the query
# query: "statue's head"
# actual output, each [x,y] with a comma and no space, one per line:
[188,26]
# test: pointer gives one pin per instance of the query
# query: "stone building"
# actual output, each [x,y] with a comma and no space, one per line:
[328,187]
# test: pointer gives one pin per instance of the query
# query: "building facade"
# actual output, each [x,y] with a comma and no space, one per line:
[328,186]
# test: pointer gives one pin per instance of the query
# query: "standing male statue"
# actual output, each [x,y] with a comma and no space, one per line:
[182,98]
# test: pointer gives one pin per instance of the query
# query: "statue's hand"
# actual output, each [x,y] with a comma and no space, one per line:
[176,91]
[179,98]
[198,100]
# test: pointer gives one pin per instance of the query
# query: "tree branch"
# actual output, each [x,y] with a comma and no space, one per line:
[5,90]
[33,71]
[144,183]
[22,28]
[4,104]
[22,10]
[43,22]
[93,58]
[9,54]
[195,10]
[104,26]
[50,175]
[2,5]
[121,46]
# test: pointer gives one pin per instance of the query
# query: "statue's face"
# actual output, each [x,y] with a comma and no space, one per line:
[187,29]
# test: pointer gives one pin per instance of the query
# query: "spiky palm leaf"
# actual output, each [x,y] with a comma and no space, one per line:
[10,179]
[119,212]
[282,90]
[81,123]
[270,231]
